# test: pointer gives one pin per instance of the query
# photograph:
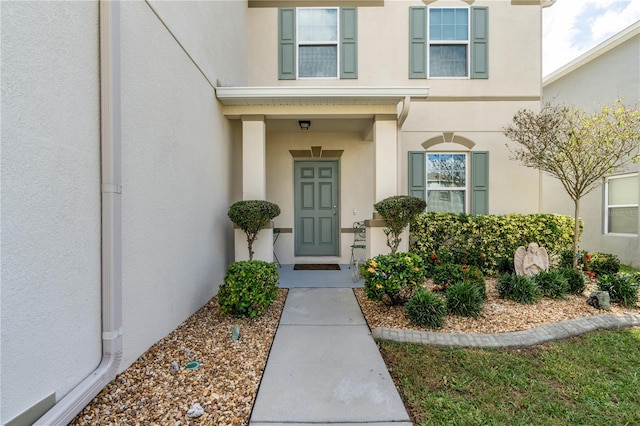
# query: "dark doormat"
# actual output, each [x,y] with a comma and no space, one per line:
[316,267]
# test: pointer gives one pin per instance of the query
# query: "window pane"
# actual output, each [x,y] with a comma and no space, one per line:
[448,60]
[623,190]
[318,61]
[317,25]
[449,24]
[623,220]
[445,201]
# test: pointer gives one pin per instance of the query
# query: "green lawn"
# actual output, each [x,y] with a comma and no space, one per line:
[590,380]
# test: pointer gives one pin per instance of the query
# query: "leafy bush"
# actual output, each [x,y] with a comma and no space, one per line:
[552,283]
[464,299]
[497,236]
[398,212]
[249,288]
[622,289]
[446,274]
[426,309]
[521,289]
[602,264]
[505,265]
[393,278]
[575,279]
[252,216]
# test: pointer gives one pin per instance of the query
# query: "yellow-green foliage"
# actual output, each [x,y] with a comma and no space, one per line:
[496,236]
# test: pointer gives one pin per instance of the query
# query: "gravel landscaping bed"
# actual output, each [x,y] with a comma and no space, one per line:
[152,392]
[498,315]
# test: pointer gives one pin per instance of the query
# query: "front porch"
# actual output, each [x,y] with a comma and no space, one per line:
[325,155]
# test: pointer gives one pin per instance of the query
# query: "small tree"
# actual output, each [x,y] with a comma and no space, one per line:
[578,149]
[252,216]
[398,212]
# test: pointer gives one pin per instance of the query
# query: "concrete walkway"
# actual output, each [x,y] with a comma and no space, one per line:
[325,368]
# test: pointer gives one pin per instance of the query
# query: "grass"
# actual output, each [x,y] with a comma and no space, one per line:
[589,380]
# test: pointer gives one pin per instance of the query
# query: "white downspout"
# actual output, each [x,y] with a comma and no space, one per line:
[111,190]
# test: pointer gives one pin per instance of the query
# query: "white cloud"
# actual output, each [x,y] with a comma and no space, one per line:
[572,27]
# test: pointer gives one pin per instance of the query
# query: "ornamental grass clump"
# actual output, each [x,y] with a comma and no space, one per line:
[426,309]
[575,279]
[464,299]
[519,288]
[552,284]
[393,278]
[622,288]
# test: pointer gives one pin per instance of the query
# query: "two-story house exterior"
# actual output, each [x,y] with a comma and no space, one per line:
[402,97]
[129,128]
[600,76]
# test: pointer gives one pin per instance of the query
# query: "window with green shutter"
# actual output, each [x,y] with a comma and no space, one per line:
[317,42]
[448,42]
[446,180]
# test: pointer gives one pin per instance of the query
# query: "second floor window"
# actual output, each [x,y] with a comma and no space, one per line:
[448,42]
[317,42]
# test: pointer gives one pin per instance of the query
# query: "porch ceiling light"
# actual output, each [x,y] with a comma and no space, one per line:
[304,124]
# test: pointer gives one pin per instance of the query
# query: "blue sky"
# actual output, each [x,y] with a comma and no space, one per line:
[571,27]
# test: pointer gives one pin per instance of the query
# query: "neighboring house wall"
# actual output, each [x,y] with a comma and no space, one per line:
[51,333]
[601,76]
[177,159]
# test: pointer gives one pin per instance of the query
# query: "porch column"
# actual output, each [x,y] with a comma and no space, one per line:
[254,185]
[385,181]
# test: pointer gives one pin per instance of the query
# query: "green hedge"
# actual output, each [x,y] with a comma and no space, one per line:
[495,237]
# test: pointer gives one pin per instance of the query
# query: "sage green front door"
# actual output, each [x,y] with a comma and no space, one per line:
[316,208]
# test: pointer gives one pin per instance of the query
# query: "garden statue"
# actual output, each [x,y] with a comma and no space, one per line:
[531,261]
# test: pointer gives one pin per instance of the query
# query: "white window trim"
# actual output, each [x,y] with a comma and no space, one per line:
[316,43]
[466,188]
[451,42]
[607,206]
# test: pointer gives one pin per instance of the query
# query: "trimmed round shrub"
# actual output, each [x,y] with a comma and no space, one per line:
[426,309]
[552,284]
[398,212]
[575,280]
[393,278]
[249,288]
[464,299]
[519,288]
[622,289]
[252,216]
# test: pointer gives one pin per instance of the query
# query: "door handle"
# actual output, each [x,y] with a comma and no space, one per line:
[334,210]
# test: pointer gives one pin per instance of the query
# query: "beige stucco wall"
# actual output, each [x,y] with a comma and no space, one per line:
[50,271]
[515,61]
[611,76]
[177,152]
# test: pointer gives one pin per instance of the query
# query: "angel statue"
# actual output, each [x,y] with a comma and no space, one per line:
[531,261]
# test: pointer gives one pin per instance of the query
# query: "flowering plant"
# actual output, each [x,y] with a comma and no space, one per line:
[393,278]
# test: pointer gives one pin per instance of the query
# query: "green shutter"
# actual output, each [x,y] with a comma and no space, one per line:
[417,42]
[417,177]
[348,42]
[480,182]
[287,43]
[479,42]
